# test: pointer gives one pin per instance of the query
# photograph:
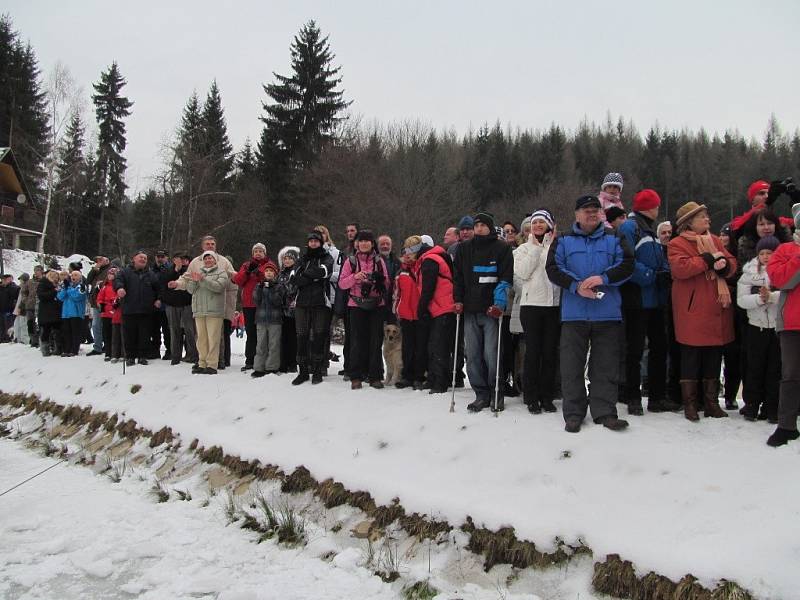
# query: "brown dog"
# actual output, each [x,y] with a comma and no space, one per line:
[392,353]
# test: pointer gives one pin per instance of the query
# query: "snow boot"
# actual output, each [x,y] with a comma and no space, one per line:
[749,411]
[781,437]
[302,376]
[478,405]
[613,423]
[319,370]
[548,406]
[45,349]
[573,425]
[689,394]
[635,407]
[662,405]
[711,406]
[534,406]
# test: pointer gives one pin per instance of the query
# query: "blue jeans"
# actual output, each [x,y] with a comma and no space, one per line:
[480,342]
[97,330]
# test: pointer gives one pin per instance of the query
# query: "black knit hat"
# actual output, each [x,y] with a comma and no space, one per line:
[485,218]
[314,235]
[365,234]
[613,213]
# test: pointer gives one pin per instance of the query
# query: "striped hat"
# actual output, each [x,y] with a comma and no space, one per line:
[545,215]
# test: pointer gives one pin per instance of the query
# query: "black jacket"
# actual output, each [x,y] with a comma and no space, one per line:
[312,277]
[169,296]
[49,305]
[481,265]
[96,279]
[8,297]
[141,290]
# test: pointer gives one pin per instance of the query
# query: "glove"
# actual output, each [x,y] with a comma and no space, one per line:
[494,311]
[458,308]
[252,267]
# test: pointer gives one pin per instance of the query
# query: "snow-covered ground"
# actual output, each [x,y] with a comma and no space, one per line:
[16,262]
[672,496]
[72,534]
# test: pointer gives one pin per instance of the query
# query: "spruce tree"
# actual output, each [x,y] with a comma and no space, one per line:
[68,196]
[111,107]
[23,114]
[216,145]
[306,106]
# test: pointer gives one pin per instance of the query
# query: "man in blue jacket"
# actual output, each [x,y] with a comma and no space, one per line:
[483,271]
[590,263]
[643,308]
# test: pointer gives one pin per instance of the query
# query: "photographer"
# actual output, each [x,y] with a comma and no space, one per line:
[762,195]
[364,277]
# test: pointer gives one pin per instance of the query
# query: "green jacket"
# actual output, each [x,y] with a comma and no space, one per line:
[208,297]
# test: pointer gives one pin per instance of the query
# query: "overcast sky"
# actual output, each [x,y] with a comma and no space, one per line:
[718,65]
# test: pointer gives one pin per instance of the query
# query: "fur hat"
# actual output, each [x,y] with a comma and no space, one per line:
[768,242]
[258,246]
[645,200]
[292,251]
[687,211]
[755,187]
[612,179]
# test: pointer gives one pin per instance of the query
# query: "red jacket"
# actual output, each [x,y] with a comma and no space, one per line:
[442,300]
[248,281]
[784,273]
[105,299]
[699,318]
[407,294]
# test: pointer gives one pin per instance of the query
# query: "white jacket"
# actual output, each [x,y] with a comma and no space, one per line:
[530,278]
[759,314]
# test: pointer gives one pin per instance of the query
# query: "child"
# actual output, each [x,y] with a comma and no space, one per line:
[268,297]
[110,315]
[73,310]
[763,354]
[406,299]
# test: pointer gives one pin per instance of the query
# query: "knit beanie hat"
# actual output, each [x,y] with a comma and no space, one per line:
[24,277]
[755,187]
[270,266]
[292,252]
[209,253]
[365,234]
[485,218]
[768,242]
[612,179]
[466,222]
[259,246]
[545,215]
[646,199]
[796,215]
[314,235]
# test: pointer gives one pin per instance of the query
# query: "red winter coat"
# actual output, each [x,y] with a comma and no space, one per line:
[407,293]
[699,319]
[442,301]
[248,281]
[105,299]
[784,273]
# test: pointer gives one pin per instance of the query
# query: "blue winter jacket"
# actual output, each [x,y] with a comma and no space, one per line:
[575,256]
[73,299]
[650,260]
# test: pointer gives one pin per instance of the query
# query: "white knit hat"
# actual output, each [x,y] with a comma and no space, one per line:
[612,179]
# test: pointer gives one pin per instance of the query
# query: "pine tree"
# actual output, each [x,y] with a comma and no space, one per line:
[306,106]
[23,114]
[216,145]
[110,108]
[68,196]
[246,165]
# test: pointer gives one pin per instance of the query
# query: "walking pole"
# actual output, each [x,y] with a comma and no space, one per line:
[455,360]
[497,366]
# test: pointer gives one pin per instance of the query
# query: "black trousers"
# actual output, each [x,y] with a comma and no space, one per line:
[137,330]
[542,327]
[789,402]
[51,334]
[366,357]
[312,324]
[288,345]
[734,355]
[762,383]
[440,351]
[250,329]
[74,330]
[415,349]
[158,326]
[640,324]
[700,362]
[107,333]
[116,340]
[348,335]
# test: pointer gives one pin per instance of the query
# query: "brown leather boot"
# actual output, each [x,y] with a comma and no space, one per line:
[689,397]
[711,406]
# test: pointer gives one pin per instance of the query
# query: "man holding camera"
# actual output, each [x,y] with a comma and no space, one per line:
[590,263]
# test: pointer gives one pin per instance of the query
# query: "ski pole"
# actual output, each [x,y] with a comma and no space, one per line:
[455,360]
[497,366]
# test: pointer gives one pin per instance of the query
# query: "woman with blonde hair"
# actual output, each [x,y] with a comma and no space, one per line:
[702,306]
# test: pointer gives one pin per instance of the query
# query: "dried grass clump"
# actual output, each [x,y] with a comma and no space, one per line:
[162,436]
[299,481]
[615,577]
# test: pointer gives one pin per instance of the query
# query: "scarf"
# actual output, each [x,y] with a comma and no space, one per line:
[607,201]
[705,243]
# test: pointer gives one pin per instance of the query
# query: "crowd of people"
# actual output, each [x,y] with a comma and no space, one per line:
[637,306]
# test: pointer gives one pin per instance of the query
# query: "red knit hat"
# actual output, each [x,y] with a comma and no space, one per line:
[756,187]
[645,200]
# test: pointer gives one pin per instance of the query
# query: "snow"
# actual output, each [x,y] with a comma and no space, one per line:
[16,261]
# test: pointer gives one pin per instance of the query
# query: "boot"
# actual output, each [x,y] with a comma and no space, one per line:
[319,369]
[534,406]
[689,395]
[45,348]
[781,437]
[635,407]
[749,411]
[711,406]
[478,405]
[302,376]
